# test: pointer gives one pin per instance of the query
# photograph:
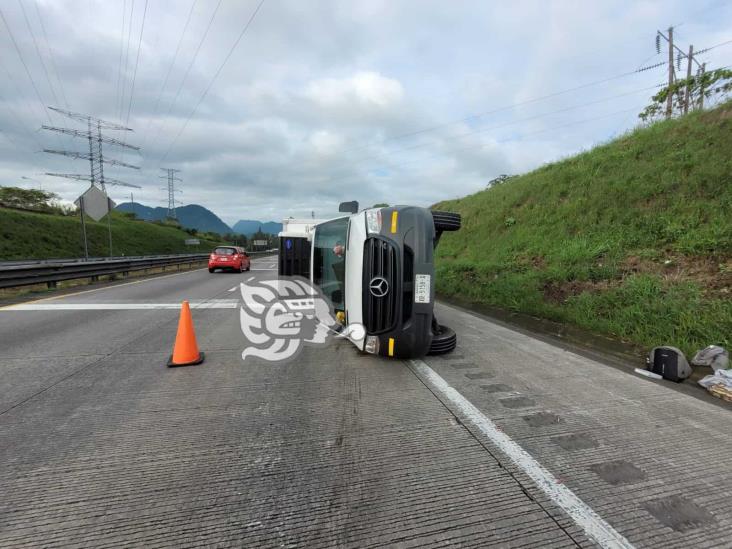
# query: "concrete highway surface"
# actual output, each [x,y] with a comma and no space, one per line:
[509,441]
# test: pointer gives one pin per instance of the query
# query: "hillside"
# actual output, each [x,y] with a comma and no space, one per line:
[191,216]
[27,235]
[248,227]
[631,239]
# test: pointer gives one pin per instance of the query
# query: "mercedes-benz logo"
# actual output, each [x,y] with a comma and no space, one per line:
[379,286]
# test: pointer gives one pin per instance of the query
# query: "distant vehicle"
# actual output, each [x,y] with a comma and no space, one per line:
[377,268]
[232,258]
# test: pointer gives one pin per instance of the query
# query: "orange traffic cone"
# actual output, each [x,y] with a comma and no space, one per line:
[185,350]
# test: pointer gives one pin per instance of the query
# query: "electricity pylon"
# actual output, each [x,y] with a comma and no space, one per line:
[97,160]
[172,178]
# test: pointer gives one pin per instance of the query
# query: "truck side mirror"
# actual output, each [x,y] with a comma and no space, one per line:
[348,207]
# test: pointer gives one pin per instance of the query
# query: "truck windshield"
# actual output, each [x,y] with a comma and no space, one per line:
[329,260]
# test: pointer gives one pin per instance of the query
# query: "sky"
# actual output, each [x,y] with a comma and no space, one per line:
[288,107]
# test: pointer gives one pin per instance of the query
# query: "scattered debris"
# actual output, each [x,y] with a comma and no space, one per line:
[647,373]
[719,384]
[714,356]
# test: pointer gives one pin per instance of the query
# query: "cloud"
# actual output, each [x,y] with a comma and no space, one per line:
[364,89]
[399,102]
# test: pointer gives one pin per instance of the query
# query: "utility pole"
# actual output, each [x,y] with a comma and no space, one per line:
[687,95]
[701,86]
[669,99]
[686,99]
[172,178]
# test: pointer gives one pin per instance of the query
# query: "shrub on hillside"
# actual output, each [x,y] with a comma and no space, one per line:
[29,199]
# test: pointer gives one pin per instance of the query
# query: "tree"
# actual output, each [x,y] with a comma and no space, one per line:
[707,86]
[28,199]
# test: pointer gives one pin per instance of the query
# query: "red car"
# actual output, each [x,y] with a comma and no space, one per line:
[229,257]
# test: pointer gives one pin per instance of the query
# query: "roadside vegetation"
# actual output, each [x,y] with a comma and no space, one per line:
[632,239]
[57,234]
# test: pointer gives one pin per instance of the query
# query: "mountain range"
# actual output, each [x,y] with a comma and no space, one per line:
[248,227]
[194,216]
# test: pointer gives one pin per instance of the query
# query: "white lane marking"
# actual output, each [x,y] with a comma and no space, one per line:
[214,304]
[235,288]
[582,514]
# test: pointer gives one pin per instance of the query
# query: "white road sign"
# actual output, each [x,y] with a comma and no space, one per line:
[96,203]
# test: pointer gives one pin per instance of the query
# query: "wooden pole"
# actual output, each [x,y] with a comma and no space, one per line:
[701,87]
[669,99]
[687,95]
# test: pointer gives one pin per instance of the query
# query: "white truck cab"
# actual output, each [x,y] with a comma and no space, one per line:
[376,266]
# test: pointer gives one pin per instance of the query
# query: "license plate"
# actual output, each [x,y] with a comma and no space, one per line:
[224,259]
[422,289]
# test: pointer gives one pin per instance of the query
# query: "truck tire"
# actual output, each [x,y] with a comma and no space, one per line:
[446,221]
[443,341]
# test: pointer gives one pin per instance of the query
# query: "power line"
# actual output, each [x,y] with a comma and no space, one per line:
[483,145]
[127,56]
[170,70]
[513,105]
[25,66]
[512,122]
[28,106]
[50,54]
[38,51]
[121,51]
[215,76]
[188,69]
[705,50]
[521,103]
[134,74]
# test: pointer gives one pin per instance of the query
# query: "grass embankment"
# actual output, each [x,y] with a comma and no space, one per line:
[28,235]
[631,239]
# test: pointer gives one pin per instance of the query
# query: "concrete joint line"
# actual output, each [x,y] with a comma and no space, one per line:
[582,514]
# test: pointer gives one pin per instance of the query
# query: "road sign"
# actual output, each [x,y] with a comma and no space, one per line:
[96,203]
[259,242]
[192,242]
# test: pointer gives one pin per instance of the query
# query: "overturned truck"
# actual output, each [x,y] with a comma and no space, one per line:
[377,268]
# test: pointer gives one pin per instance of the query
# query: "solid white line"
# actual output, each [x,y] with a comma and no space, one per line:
[582,514]
[215,304]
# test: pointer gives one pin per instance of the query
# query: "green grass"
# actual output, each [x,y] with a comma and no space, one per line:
[28,235]
[632,238]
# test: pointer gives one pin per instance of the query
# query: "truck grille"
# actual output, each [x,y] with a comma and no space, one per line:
[380,262]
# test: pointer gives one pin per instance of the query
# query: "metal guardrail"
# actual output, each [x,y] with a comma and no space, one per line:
[67,260]
[25,273]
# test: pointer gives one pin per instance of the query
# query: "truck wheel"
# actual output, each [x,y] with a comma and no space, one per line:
[446,221]
[443,341]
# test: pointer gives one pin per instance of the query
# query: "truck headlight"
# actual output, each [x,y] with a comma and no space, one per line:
[371,345]
[373,221]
